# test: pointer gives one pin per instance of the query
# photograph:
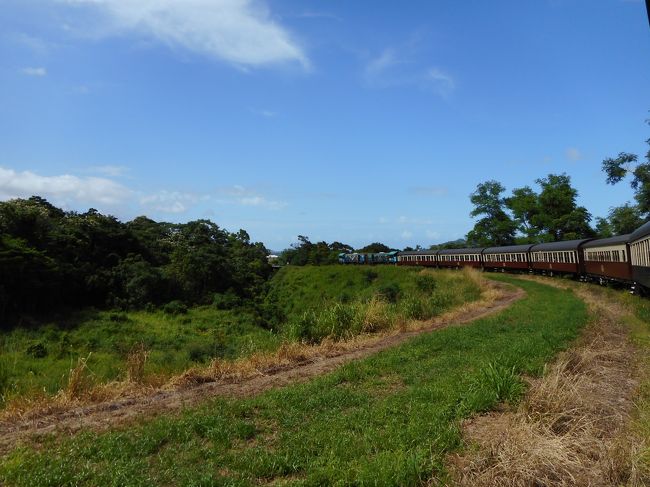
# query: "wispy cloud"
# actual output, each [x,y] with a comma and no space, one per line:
[242,32]
[108,170]
[573,154]
[64,189]
[442,83]
[264,113]
[241,195]
[381,63]
[397,67]
[171,201]
[37,72]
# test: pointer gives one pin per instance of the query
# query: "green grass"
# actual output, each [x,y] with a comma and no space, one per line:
[313,302]
[386,420]
[34,359]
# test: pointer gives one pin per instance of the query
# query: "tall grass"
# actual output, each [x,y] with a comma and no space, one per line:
[304,304]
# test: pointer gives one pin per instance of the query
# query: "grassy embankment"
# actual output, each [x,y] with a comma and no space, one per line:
[306,303]
[638,321]
[390,419]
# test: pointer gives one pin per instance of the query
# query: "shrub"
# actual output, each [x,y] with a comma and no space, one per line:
[37,350]
[370,276]
[337,321]
[412,308]
[390,292]
[118,317]
[227,300]
[425,282]
[175,308]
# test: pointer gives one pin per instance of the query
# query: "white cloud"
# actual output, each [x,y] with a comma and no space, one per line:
[573,154]
[241,32]
[37,72]
[171,201]
[432,234]
[64,189]
[406,234]
[246,197]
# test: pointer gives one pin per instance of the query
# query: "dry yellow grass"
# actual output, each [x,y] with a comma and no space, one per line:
[571,429]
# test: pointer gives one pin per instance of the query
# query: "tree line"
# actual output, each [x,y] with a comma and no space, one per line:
[51,258]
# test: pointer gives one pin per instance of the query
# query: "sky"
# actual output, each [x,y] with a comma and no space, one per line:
[343,121]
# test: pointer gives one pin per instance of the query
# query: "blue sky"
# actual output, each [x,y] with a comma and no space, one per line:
[353,121]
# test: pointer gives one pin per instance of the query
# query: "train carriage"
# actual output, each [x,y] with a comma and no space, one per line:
[608,259]
[427,258]
[511,257]
[558,257]
[640,255]
[460,257]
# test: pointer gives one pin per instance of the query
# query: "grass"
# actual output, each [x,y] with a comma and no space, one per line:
[390,419]
[305,304]
[40,360]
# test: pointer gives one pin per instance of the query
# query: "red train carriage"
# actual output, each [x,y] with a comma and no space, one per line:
[640,256]
[460,257]
[425,258]
[512,257]
[558,257]
[608,259]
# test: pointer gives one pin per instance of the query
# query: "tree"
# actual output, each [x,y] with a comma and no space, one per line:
[496,227]
[375,247]
[626,164]
[625,219]
[559,217]
[524,205]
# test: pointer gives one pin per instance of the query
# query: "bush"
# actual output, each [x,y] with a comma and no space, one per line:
[118,317]
[390,292]
[337,321]
[412,308]
[37,350]
[227,300]
[370,276]
[175,308]
[425,282]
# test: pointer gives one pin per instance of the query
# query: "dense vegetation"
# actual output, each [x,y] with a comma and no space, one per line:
[388,420]
[50,258]
[303,303]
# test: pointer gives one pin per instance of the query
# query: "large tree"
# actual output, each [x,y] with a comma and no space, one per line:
[626,164]
[495,227]
[560,217]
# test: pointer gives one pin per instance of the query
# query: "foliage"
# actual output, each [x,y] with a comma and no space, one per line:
[496,227]
[307,253]
[374,248]
[53,259]
[550,215]
[626,164]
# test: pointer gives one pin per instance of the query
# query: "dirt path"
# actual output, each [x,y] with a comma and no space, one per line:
[108,414]
[572,428]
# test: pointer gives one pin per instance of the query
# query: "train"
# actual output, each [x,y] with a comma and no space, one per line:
[623,259]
